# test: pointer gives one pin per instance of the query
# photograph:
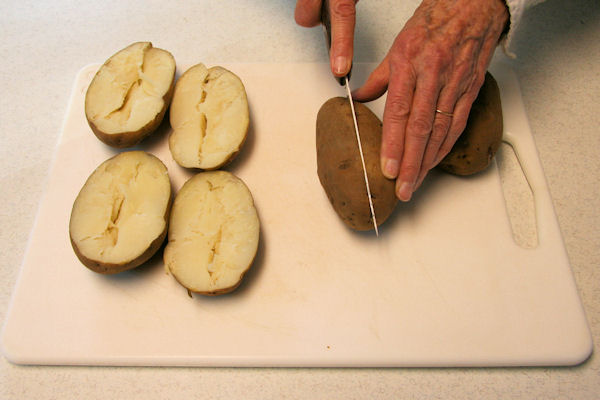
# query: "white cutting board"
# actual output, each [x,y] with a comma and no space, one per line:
[444,285]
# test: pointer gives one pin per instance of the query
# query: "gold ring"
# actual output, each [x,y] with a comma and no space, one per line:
[444,113]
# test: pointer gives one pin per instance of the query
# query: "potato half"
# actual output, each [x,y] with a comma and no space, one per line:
[209,117]
[119,219]
[213,233]
[340,169]
[127,99]
[477,145]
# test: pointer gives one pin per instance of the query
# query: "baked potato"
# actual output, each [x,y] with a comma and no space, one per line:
[213,233]
[209,116]
[339,165]
[477,145]
[129,95]
[119,218]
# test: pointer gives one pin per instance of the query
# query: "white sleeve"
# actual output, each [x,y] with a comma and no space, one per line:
[516,8]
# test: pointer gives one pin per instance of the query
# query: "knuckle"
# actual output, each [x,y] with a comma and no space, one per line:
[462,76]
[462,119]
[427,165]
[440,58]
[440,156]
[456,130]
[406,44]
[450,140]
[391,145]
[441,126]
[476,84]
[437,136]
[400,64]
[420,128]
[410,171]
[437,59]
[343,9]
[397,107]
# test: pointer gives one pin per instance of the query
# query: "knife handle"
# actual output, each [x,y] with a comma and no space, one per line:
[326,21]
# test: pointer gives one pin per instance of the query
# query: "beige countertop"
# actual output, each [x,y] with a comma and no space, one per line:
[45,43]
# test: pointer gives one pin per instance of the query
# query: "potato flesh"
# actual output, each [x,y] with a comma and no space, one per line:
[121,208]
[213,233]
[128,91]
[209,117]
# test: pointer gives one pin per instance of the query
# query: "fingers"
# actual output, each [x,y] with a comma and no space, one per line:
[442,121]
[308,13]
[418,135]
[464,95]
[342,14]
[457,126]
[461,113]
[395,117]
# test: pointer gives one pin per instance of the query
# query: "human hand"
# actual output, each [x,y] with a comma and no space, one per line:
[432,74]
[342,14]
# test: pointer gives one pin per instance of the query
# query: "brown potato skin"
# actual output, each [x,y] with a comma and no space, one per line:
[130,139]
[477,145]
[339,166]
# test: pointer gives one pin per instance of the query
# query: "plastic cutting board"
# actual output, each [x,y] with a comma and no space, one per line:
[444,284]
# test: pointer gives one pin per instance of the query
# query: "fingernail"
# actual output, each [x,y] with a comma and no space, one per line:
[389,167]
[340,65]
[404,191]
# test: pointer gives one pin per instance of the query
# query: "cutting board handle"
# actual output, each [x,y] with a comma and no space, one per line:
[548,231]
[545,216]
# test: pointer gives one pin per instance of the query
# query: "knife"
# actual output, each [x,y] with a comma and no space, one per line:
[345,81]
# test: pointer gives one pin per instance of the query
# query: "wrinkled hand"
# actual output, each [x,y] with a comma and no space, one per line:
[342,14]
[437,62]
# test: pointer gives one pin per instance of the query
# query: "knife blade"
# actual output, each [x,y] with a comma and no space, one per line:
[345,81]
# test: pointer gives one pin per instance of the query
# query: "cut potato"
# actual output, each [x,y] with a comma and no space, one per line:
[213,233]
[119,219]
[209,117]
[127,99]
[340,169]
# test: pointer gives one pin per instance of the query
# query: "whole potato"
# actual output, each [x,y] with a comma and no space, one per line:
[479,142]
[339,166]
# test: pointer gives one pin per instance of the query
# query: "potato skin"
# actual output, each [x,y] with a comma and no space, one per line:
[339,166]
[479,142]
